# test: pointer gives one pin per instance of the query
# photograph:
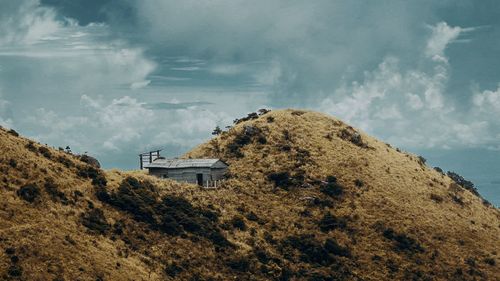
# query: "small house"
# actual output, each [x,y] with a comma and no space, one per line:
[204,172]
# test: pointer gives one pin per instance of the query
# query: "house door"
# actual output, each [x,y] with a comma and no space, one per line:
[199,179]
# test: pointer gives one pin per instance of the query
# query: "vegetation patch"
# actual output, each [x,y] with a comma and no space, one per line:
[351,135]
[280,179]
[90,161]
[331,187]
[31,147]
[55,194]
[403,242]
[458,179]
[95,220]
[170,214]
[436,198]
[95,174]
[331,222]
[13,132]
[241,264]
[318,254]
[335,249]
[241,139]
[45,152]
[65,161]
[29,192]
[239,223]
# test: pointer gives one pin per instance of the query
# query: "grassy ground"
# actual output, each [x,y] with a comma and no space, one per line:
[307,198]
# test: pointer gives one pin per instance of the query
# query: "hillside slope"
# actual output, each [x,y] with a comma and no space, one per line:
[307,198]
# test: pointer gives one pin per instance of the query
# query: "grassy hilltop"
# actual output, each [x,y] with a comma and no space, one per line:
[307,197]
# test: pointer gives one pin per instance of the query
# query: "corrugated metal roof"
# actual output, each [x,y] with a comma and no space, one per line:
[183,163]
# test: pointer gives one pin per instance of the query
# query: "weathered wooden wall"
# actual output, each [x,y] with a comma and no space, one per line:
[188,174]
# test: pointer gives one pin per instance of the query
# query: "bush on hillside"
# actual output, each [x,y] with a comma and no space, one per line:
[244,138]
[65,161]
[90,160]
[31,147]
[250,116]
[55,194]
[45,152]
[241,264]
[95,220]
[314,252]
[439,170]
[463,182]
[421,160]
[280,179]
[29,192]
[436,198]
[170,214]
[403,242]
[335,249]
[239,223]
[263,111]
[331,222]
[331,187]
[13,132]
[93,173]
[173,269]
[351,135]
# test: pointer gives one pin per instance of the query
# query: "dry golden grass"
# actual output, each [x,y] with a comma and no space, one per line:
[459,237]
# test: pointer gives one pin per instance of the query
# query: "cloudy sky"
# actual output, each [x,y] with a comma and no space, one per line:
[117,77]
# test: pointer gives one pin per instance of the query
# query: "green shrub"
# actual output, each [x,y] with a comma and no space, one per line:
[173,269]
[262,255]
[280,179]
[403,242]
[15,271]
[13,132]
[90,160]
[239,223]
[349,134]
[54,192]
[331,222]
[65,161]
[170,214]
[463,182]
[95,220]
[311,251]
[335,249]
[332,188]
[31,146]
[241,264]
[29,192]
[45,152]
[95,174]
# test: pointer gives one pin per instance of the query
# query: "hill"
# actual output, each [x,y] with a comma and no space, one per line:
[307,197]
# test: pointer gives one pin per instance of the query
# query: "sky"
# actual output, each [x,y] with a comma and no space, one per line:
[118,77]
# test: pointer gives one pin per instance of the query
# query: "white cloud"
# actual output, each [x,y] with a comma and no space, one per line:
[5,120]
[25,22]
[139,84]
[488,101]
[410,108]
[442,36]
[124,125]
